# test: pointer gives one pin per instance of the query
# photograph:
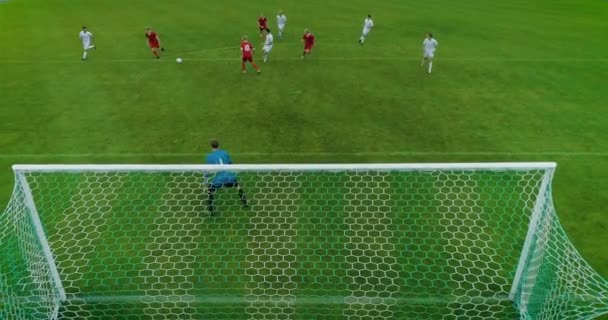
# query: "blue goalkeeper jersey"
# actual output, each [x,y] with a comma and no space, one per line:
[222,177]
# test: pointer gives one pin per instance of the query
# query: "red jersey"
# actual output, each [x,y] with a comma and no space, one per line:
[152,37]
[262,22]
[309,39]
[246,49]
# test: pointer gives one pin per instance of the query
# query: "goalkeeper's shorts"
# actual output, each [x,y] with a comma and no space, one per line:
[224,183]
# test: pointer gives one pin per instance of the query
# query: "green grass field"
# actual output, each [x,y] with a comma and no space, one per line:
[512,81]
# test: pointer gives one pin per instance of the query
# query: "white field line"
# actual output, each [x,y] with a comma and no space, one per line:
[127,155]
[302,300]
[276,291]
[359,215]
[295,58]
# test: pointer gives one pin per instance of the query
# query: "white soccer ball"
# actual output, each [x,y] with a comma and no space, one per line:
[179,60]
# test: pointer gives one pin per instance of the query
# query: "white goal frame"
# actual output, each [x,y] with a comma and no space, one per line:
[21,172]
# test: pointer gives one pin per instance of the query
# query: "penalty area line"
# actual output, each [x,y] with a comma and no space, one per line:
[303,154]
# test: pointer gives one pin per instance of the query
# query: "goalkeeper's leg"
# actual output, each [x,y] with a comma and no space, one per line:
[210,197]
[242,195]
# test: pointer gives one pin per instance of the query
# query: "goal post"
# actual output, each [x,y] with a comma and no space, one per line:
[357,241]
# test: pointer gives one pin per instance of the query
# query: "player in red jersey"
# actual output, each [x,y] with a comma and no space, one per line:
[247,50]
[154,42]
[262,24]
[309,42]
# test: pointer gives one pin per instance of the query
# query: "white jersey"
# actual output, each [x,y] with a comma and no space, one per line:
[268,43]
[85,36]
[430,44]
[269,40]
[281,20]
[368,24]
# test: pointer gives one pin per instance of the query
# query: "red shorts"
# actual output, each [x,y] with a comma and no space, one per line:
[154,45]
[308,47]
[247,59]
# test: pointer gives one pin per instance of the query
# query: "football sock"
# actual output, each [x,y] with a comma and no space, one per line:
[243,66]
[430,66]
[211,196]
[84,55]
[243,197]
[362,39]
[256,67]
[155,53]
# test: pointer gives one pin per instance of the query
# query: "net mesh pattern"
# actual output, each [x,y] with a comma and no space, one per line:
[364,244]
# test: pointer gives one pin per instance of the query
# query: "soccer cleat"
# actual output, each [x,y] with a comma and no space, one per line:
[259,71]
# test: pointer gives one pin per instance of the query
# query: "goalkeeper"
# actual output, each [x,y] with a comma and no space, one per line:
[222,179]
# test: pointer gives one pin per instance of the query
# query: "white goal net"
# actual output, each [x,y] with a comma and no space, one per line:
[386,241]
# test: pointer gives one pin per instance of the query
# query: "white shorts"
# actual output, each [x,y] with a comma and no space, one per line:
[281,27]
[366,31]
[429,54]
[86,45]
[267,49]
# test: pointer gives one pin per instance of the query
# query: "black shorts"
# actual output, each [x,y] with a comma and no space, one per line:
[215,186]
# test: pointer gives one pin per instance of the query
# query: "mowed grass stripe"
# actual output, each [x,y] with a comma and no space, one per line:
[220,249]
[174,279]
[322,255]
[372,258]
[423,251]
[272,258]
[457,238]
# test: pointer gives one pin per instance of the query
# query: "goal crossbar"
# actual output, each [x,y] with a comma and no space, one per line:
[280,167]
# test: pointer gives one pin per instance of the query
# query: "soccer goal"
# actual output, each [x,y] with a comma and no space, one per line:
[347,241]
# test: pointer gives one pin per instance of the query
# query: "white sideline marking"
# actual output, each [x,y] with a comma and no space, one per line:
[396,58]
[308,154]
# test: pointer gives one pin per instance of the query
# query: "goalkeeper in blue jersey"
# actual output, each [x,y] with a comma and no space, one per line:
[222,179]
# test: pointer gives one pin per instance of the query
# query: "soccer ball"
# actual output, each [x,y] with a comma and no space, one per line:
[179,60]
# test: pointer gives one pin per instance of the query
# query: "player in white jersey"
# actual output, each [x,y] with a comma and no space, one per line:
[86,37]
[368,24]
[429,45]
[281,20]
[267,44]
